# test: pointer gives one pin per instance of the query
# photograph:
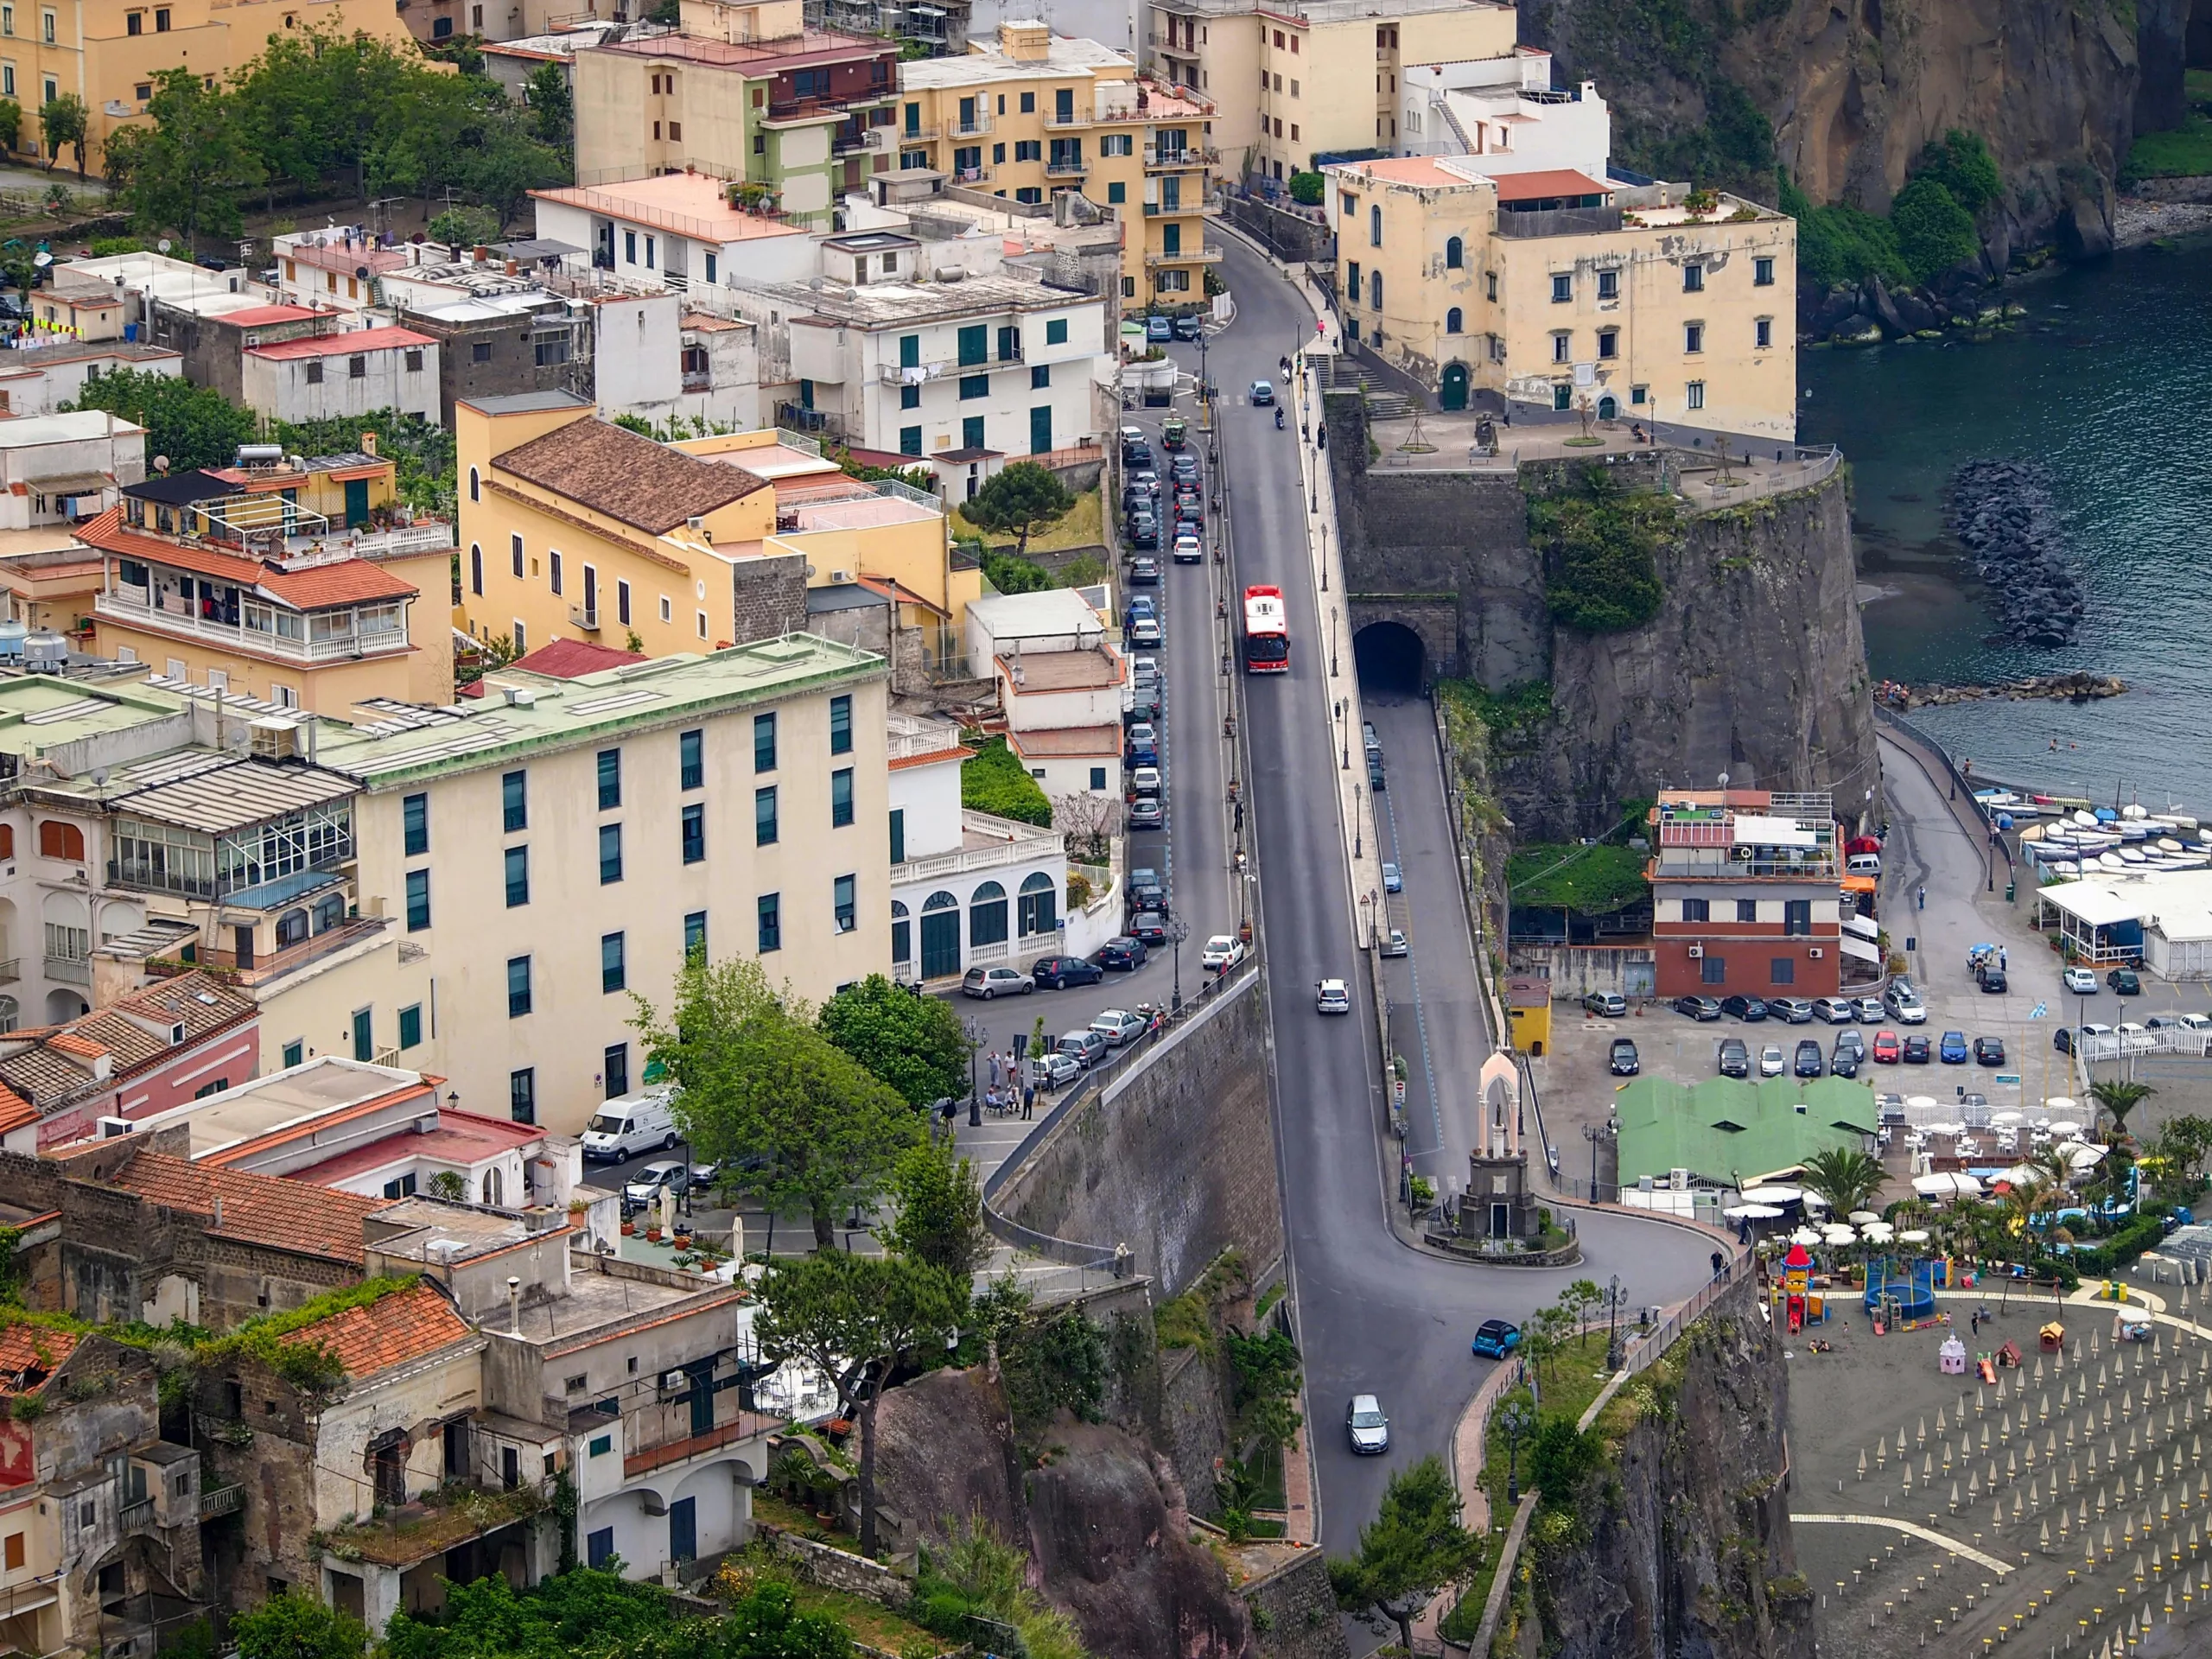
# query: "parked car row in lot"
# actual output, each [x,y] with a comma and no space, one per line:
[1849,1053]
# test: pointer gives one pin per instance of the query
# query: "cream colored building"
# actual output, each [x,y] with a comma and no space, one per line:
[1553,290]
[1033,114]
[108,52]
[1305,81]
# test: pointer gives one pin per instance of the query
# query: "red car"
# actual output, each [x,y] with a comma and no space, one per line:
[1886,1048]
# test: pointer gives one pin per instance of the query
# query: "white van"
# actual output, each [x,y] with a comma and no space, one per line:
[1863,864]
[630,1124]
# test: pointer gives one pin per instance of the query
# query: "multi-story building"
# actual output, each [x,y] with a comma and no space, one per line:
[1746,889]
[925,27]
[1060,684]
[38,378]
[344,376]
[742,93]
[1033,115]
[1556,291]
[677,230]
[1503,110]
[108,52]
[1304,82]
[57,468]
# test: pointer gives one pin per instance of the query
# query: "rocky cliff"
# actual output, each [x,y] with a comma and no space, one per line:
[1845,92]
[1682,1548]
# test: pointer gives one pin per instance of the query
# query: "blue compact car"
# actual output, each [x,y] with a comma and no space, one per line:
[1954,1049]
[1496,1339]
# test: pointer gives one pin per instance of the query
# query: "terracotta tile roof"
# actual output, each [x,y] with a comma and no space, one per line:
[361,339]
[33,1348]
[16,1112]
[55,1062]
[1555,181]
[391,1330]
[269,1210]
[629,477]
[347,581]
[261,317]
[568,659]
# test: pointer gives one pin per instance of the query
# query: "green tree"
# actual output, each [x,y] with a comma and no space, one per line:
[763,1092]
[914,1044]
[1934,234]
[855,1318]
[1841,243]
[1601,544]
[187,170]
[1306,189]
[938,1212]
[992,781]
[1012,573]
[1412,1548]
[552,107]
[293,1626]
[1022,497]
[2120,1096]
[193,426]
[1847,1178]
[1560,1456]
[63,121]
[463,227]
[1961,163]
[11,123]
[1578,1299]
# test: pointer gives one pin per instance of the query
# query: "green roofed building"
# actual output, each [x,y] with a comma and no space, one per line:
[1733,1133]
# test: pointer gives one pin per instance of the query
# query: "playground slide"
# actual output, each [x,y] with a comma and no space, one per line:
[1986,1371]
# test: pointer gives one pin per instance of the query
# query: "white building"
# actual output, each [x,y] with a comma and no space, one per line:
[662,359]
[329,376]
[967,889]
[1503,110]
[677,230]
[1060,686]
[1058,618]
[37,379]
[337,266]
[58,466]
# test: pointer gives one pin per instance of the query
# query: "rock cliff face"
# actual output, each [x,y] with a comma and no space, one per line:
[1852,89]
[1683,1549]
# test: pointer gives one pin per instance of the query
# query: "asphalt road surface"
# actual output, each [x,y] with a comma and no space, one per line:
[1374,1314]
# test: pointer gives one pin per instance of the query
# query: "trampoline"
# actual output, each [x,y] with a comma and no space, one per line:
[1913,1289]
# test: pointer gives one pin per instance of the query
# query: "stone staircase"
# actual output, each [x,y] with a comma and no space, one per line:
[1389,406]
[1344,376]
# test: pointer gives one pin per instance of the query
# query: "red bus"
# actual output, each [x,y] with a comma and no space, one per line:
[1266,631]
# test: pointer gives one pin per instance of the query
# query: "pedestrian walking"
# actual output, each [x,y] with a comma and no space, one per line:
[2000,958]
[1028,1100]
[994,1069]
[1719,1263]
[1975,1321]
[1923,898]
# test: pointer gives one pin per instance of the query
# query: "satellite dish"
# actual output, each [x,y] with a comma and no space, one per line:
[361,271]
[164,244]
[161,463]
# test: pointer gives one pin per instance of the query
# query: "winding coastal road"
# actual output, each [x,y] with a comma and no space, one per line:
[1374,1314]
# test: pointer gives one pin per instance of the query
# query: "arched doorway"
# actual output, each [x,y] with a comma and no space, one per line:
[940,935]
[1389,656]
[1453,393]
[1609,407]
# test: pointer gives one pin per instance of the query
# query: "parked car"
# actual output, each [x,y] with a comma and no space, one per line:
[1621,1059]
[1058,972]
[1496,1338]
[1122,951]
[1145,634]
[631,1124]
[644,1186]
[1222,952]
[1143,748]
[1368,739]
[2067,1039]
[1330,996]
[1188,549]
[1188,327]
[1368,1429]
[1149,927]
[1160,329]
[1698,1007]
[1903,1003]
[1375,779]
[1835,1010]
[2123,982]
[1749,1009]
[1144,532]
[1808,1062]
[1843,1062]
[1145,783]
[1145,573]
[1054,1069]
[1146,890]
[1606,1005]
[988,982]
[1087,1047]
[1771,1065]
[1735,1059]
[1148,813]
[1989,1051]
[2080,982]
[1952,1051]
[2179,1022]
[1869,1009]
[1917,1051]
[1394,944]
[1887,1048]
[1118,1027]
[1263,393]
[1991,979]
[1392,881]
[1790,1010]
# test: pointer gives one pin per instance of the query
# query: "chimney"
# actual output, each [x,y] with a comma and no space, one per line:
[368,443]
[219,1212]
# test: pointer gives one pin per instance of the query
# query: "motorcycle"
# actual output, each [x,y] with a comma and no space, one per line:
[1278,419]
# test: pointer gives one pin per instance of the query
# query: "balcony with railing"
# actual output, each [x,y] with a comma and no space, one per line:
[216,1501]
[659,1454]
[259,968]
[1185,257]
[1166,161]
[972,126]
[69,970]
[1558,221]
[1066,167]
[913,374]
[971,175]
[989,844]
[917,135]
[11,969]
[119,606]
[800,109]
[585,617]
[1197,207]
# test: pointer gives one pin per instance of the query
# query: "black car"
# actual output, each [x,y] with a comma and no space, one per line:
[1622,1059]
[1058,972]
[1188,327]
[1989,1051]
[1144,532]
[1136,457]
[1146,890]
[1749,1009]
[2123,982]
[1993,981]
[1698,1007]
[1735,1059]
[1916,1050]
[1149,928]
[1120,952]
[1144,573]
[1844,1062]
[1374,773]
[1808,1062]
[1147,814]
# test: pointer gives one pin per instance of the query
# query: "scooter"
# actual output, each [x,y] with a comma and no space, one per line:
[1278,419]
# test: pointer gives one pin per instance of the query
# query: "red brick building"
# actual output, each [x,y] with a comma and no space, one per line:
[1746,893]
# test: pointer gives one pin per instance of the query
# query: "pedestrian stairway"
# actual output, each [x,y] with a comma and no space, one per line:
[1344,375]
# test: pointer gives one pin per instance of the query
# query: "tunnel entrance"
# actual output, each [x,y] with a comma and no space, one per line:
[1389,656]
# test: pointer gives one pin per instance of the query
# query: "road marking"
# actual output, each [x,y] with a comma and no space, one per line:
[1951,1546]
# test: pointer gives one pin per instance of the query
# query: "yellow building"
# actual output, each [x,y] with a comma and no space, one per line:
[1557,291]
[1325,73]
[573,528]
[108,52]
[1036,114]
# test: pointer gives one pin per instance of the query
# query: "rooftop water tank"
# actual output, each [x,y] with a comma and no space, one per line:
[11,641]
[44,652]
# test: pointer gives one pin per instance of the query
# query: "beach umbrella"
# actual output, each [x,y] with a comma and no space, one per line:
[2064,1129]
[1804,1235]
[1836,1233]
[1914,1235]
[1771,1195]
[1860,1217]
[1752,1213]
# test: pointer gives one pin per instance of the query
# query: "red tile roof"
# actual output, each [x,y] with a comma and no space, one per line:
[361,339]
[391,1330]
[1556,182]
[347,582]
[260,316]
[625,475]
[28,1347]
[460,1138]
[271,1209]
[568,659]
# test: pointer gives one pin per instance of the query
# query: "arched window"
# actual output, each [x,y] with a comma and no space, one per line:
[59,840]
[987,915]
[475,492]
[1455,256]
[1038,911]
[476,570]
[11,1014]
[329,910]
[940,901]
[1375,225]
[493,1186]
[291,928]
[1375,288]
[1452,321]
[7,841]
[902,935]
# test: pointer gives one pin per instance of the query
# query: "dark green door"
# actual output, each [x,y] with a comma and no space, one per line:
[1040,429]
[940,943]
[357,501]
[683,1529]
[363,1035]
[1453,392]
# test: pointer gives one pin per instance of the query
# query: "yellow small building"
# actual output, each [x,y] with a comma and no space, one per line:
[1558,291]
[1033,115]
[1528,1013]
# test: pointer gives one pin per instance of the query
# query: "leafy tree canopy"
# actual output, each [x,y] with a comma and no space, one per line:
[914,1044]
[64,120]
[1601,546]
[994,780]
[185,171]
[1934,233]
[194,426]
[1414,1547]
[1306,189]
[938,1212]
[1961,163]
[1020,497]
[296,1626]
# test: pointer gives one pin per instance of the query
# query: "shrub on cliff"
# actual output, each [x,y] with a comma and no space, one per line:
[1559,1459]
[1600,544]
[992,781]
[1933,232]
[1842,243]
[1961,163]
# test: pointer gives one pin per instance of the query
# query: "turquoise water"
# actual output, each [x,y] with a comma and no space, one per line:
[2108,382]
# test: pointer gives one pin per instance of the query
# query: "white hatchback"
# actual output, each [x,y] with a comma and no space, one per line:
[2080,982]
[1223,951]
[1332,996]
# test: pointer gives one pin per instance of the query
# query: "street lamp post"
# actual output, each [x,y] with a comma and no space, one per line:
[1614,1295]
[1516,1419]
[1178,931]
[974,1031]
[1595,1134]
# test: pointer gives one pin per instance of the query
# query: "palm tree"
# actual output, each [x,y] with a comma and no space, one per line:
[1848,1179]
[2053,1165]
[2120,1096]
